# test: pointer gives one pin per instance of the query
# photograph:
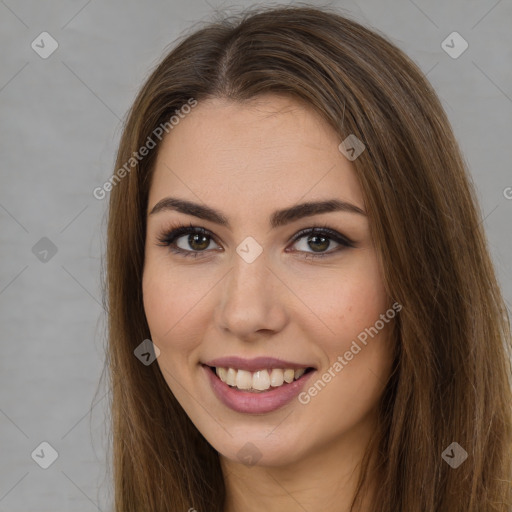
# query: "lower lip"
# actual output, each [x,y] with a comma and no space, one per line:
[255,403]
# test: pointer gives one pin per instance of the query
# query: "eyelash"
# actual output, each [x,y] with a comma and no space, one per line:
[168,236]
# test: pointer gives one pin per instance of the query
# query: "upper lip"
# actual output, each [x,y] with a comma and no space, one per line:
[257,363]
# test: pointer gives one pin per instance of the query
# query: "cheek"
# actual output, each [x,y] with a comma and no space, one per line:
[350,306]
[165,303]
[348,302]
[158,303]
[175,305]
[358,359]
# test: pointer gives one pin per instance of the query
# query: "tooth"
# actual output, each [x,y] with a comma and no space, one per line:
[243,379]
[289,374]
[276,377]
[231,377]
[221,372]
[299,373]
[258,381]
[261,380]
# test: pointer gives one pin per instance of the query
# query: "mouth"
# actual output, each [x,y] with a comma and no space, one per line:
[256,386]
[259,381]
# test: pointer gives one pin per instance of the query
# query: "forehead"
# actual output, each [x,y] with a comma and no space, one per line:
[269,151]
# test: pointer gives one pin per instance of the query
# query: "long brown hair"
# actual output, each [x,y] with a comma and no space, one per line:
[451,378]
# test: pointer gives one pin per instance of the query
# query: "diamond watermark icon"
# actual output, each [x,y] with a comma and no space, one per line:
[249,454]
[45,455]
[249,249]
[454,455]
[352,147]
[454,45]
[44,45]
[44,250]
[147,352]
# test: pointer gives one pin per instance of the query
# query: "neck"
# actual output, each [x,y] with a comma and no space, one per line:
[325,479]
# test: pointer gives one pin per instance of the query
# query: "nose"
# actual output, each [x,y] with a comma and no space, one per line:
[251,300]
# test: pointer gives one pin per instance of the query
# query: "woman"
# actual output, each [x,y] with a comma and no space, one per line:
[303,312]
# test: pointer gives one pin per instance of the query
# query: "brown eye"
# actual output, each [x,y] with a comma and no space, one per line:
[186,241]
[320,243]
[319,240]
[194,241]
[197,242]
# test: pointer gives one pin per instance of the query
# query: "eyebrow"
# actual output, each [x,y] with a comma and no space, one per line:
[277,219]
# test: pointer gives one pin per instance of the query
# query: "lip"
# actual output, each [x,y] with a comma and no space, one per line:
[255,403]
[253,365]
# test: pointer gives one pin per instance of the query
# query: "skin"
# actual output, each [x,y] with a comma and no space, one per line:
[248,160]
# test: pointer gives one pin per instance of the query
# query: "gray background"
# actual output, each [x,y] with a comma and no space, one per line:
[60,124]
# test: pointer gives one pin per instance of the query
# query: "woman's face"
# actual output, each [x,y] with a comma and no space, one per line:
[254,300]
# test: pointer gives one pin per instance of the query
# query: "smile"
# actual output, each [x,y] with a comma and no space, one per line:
[261,380]
[262,385]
